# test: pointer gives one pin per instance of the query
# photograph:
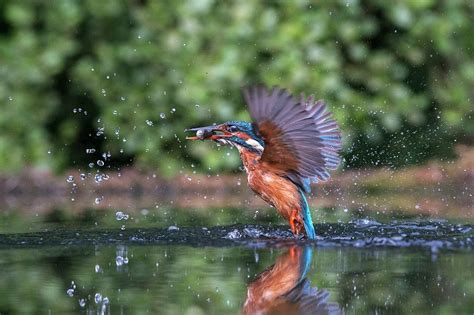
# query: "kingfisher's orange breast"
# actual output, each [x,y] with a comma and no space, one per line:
[276,190]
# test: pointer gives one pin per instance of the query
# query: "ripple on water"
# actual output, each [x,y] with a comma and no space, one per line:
[360,234]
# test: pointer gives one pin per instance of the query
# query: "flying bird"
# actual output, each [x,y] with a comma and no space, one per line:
[290,143]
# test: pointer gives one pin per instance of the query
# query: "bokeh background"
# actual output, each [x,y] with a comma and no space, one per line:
[94,99]
[126,78]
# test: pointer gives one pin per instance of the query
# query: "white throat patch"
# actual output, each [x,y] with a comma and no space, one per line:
[255,144]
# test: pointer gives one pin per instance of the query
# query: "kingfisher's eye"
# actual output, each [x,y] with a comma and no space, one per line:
[232,128]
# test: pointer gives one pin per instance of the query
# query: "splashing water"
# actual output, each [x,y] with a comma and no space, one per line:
[434,235]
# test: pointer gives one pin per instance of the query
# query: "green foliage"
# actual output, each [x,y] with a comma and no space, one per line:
[398,75]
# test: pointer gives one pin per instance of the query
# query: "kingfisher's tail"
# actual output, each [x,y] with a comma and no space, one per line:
[308,222]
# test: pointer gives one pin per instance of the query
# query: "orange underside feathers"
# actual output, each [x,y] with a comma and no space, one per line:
[276,190]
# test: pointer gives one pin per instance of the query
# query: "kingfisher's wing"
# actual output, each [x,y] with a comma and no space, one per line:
[301,138]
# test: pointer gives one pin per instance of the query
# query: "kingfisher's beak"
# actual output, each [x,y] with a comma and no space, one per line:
[209,133]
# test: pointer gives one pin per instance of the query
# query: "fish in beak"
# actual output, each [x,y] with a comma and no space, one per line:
[215,133]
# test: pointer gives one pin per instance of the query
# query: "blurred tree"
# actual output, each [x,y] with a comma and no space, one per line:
[126,77]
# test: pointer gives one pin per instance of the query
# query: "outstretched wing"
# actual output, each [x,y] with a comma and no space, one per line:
[301,138]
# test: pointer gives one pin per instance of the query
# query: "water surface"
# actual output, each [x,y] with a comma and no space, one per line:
[104,263]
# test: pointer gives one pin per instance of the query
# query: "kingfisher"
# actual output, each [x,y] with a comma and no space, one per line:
[290,143]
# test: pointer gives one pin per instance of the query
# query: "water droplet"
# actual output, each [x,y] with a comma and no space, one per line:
[105,300]
[162,115]
[119,260]
[119,215]
[70,179]
[98,298]
[98,200]
[70,292]
[98,178]
[91,165]
[82,302]
[100,162]
[173,228]
[90,151]
[97,268]
[83,176]
[149,122]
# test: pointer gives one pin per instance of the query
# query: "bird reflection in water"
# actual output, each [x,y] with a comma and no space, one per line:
[284,289]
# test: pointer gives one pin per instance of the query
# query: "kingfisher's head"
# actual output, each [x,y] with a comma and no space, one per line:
[240,134]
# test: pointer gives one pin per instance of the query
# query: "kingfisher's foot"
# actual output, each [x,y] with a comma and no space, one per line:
[293,222]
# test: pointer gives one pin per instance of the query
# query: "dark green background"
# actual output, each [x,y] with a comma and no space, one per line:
[398,75]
